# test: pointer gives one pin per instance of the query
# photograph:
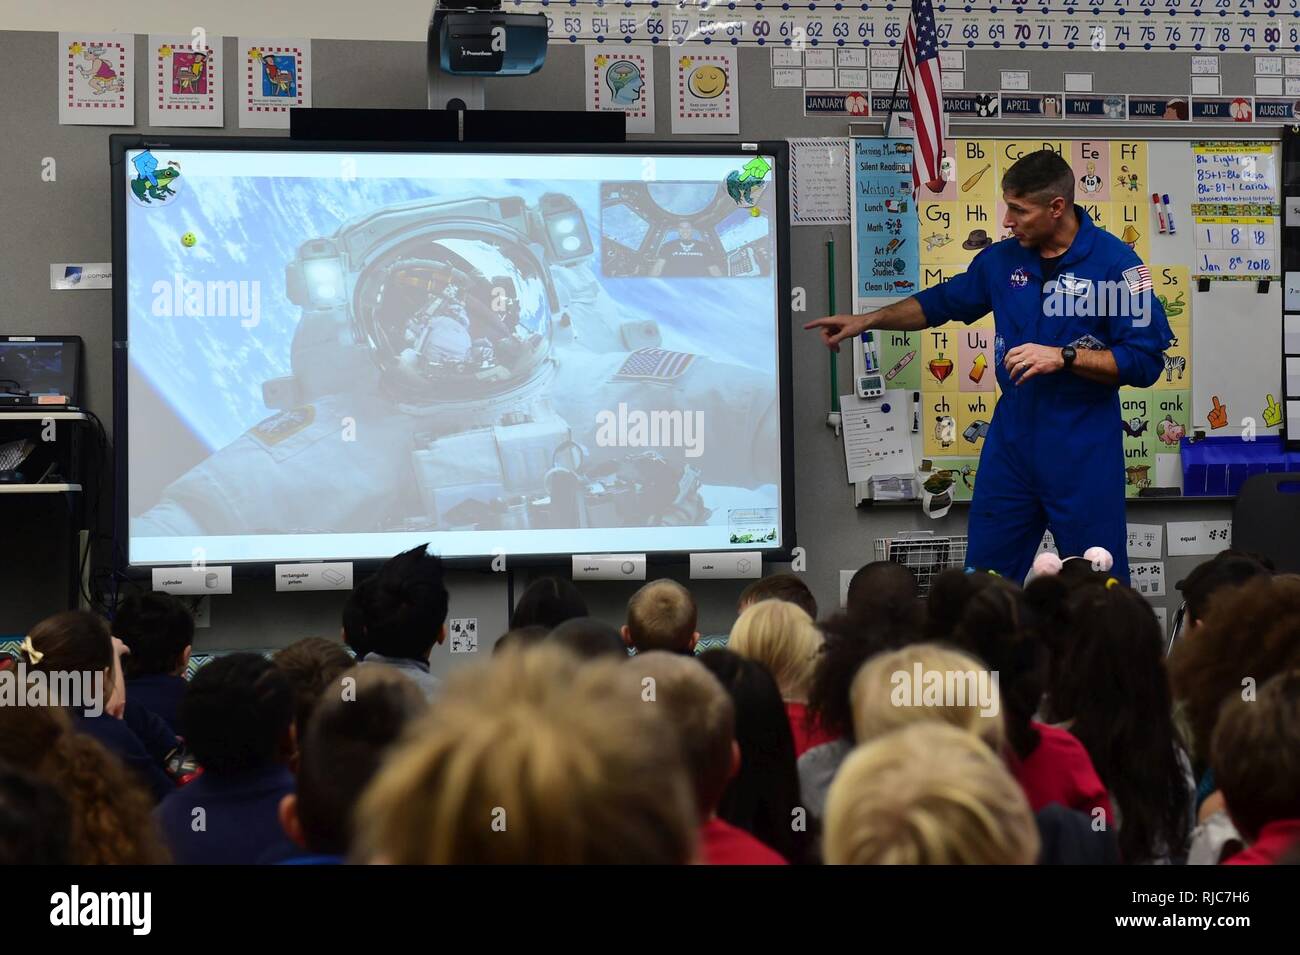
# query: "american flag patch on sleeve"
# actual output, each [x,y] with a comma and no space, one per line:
[654,364]
[1138,279]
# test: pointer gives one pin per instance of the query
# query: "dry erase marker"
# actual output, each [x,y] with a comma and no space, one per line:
[1160,212]
[900,365]
[1169,213]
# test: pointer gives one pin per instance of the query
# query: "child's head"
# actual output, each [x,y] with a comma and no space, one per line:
[848,642]
[783,638]
[703,716]
[1215,576]
[311,664]
[927,794]
[884,594]
[1256,755]
[548,602]
[110,809]
[35,821]
[1251,631]
[73,641]
[406,606]
[158,629]
[1108,682]
[786,587]
[661,616]
[535,757]
[520,638]
[589,638]
[237,714]
[988,617]
[764,792]
[926,683]
[341,749]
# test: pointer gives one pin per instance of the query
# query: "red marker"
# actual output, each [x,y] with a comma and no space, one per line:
[1160,212]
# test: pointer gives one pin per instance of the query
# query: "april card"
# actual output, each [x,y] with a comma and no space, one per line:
[96,79]
[622,80]
[186,79]
[275,76]
[706,94]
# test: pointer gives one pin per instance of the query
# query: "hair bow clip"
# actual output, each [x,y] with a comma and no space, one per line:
[34,655]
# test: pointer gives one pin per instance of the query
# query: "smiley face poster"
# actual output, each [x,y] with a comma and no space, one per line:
[706,98]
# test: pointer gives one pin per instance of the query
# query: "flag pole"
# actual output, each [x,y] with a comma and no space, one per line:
[898,76]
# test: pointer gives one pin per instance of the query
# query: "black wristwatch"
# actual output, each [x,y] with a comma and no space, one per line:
[1067,355]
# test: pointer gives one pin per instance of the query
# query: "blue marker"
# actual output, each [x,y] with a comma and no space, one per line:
[1169,214]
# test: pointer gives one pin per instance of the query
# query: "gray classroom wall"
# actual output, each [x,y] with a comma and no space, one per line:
[69,220]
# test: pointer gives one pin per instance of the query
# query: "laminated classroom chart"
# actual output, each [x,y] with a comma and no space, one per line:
[885,251]
[274,77]
[186,80]
[1123,28]
[1155,420]
[706,90]
[821,181]
[622,80]
[951,366]
[96,78]
[1235,211]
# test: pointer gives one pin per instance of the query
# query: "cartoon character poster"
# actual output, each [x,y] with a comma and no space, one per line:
[622,80]
[706,93]
[186,78]
[275,76]
[96,79]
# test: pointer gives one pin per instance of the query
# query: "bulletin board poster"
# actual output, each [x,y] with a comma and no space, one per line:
[624,81]
[275,76]
[706,91]
[885,226]
[950,368]
[1236,211]
[96,79]
[186,79]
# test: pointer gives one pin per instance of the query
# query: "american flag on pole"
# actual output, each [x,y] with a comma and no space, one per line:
[924,93]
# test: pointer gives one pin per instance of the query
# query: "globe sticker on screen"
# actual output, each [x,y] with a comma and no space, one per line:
[153,184]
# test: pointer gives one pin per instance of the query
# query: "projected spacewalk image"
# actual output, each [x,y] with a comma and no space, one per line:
[491,363]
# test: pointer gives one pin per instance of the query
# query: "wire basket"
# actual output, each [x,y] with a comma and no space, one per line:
[923,554]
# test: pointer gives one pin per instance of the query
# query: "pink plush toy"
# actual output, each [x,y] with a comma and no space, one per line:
[1049,563]
[1046,563]
[1100,559]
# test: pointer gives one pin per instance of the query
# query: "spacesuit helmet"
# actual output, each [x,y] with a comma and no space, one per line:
[454,317]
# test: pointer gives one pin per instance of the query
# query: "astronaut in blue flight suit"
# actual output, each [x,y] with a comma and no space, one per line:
[1075,319]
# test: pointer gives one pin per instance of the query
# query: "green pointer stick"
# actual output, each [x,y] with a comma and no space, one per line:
[830,283]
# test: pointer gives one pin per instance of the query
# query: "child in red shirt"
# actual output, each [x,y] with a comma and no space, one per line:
[1255,754]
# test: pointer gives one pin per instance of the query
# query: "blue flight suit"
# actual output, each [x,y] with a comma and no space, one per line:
[1054,454]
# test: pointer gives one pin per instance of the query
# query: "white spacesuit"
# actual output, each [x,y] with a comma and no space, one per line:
[453,369]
